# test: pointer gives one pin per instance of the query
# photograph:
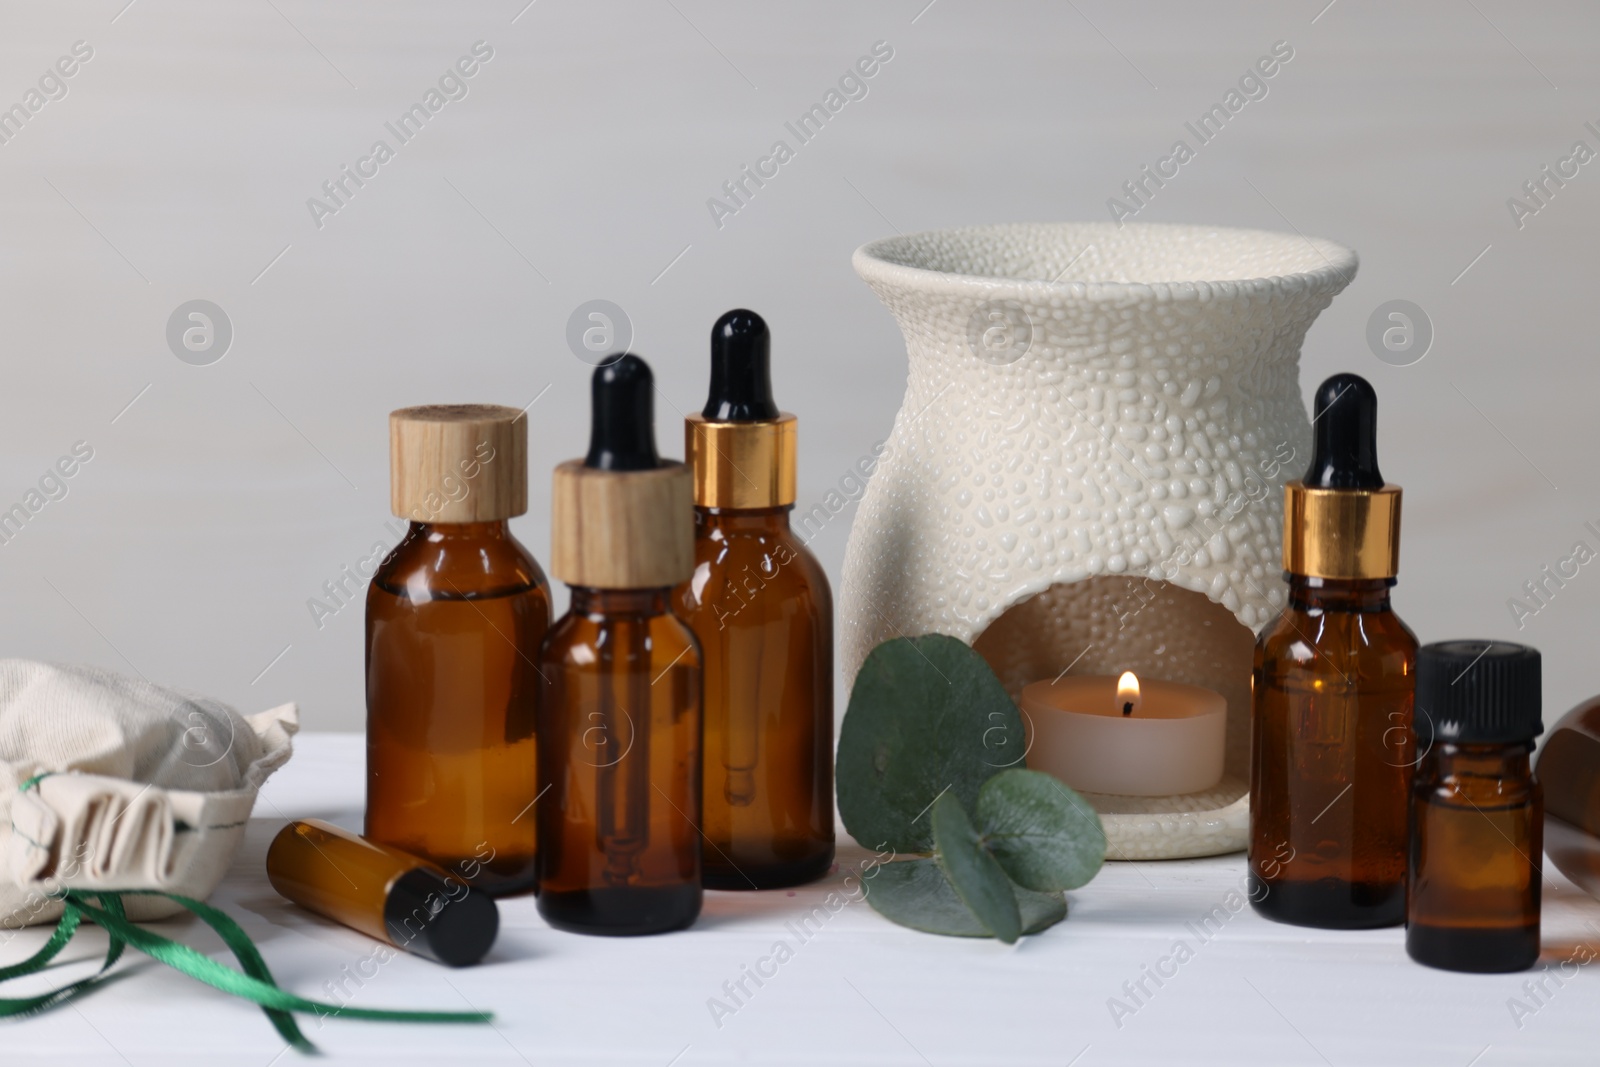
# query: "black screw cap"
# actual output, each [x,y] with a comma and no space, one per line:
[1478,691]
[440,917]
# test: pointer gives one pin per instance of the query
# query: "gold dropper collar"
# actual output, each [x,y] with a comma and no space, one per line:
[742,465]
[1341,533]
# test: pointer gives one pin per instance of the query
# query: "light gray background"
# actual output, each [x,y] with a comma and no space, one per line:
[578,167]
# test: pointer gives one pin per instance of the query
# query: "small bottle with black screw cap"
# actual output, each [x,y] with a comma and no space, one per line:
[759,603]
[619,727]
[1332,747]
[1477,811]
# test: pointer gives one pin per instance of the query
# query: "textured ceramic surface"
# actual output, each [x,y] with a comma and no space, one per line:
[1086,471]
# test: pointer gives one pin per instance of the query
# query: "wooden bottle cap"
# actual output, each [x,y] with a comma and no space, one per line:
[458,463]
[622,529]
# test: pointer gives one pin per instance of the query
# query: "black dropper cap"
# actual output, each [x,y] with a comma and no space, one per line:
[1344,452]
[741,370]
[622,427]
[1478,692]
[440,917]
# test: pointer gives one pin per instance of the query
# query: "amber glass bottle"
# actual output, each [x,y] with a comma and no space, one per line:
[759,603]
[620,732]
[455,616]
[1333,749]
[382,892]
[1569,771]
[1477,812]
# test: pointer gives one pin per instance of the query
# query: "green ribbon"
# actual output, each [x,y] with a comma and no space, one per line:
[255,983]
[70,918]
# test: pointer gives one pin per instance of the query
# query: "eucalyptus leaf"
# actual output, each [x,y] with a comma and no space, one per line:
[915,893]
[926,717]
[1045,836]
[973,872]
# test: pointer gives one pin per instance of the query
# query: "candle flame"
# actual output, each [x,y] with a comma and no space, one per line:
[1128,692]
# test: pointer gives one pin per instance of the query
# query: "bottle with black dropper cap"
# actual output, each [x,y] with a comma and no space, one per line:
[1333,750]
[760,604]
[619,729]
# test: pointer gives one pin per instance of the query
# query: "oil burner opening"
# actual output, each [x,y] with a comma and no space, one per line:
[1108,624]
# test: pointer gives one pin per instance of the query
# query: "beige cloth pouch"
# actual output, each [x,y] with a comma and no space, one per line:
[128,786]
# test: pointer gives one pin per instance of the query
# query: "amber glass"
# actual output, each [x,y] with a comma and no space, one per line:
[1476,854]
[337,874]
[1569,773]
[619,759]
[455,616]
[1331,758]
[760,605]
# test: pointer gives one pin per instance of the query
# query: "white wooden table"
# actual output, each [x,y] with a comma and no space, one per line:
[857,990]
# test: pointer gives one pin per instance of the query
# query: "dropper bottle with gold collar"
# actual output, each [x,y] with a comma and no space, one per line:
[1333,749]
[760,604]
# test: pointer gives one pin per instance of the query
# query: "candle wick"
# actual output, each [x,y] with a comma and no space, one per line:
[1127,709]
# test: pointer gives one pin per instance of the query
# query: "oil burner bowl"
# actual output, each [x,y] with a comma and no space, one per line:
[1086,471]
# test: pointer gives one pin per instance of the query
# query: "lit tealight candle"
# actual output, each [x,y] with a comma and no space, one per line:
[1117,735]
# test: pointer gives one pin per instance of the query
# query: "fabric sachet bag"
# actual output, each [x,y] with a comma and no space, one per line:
[123,802]
[129,786]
